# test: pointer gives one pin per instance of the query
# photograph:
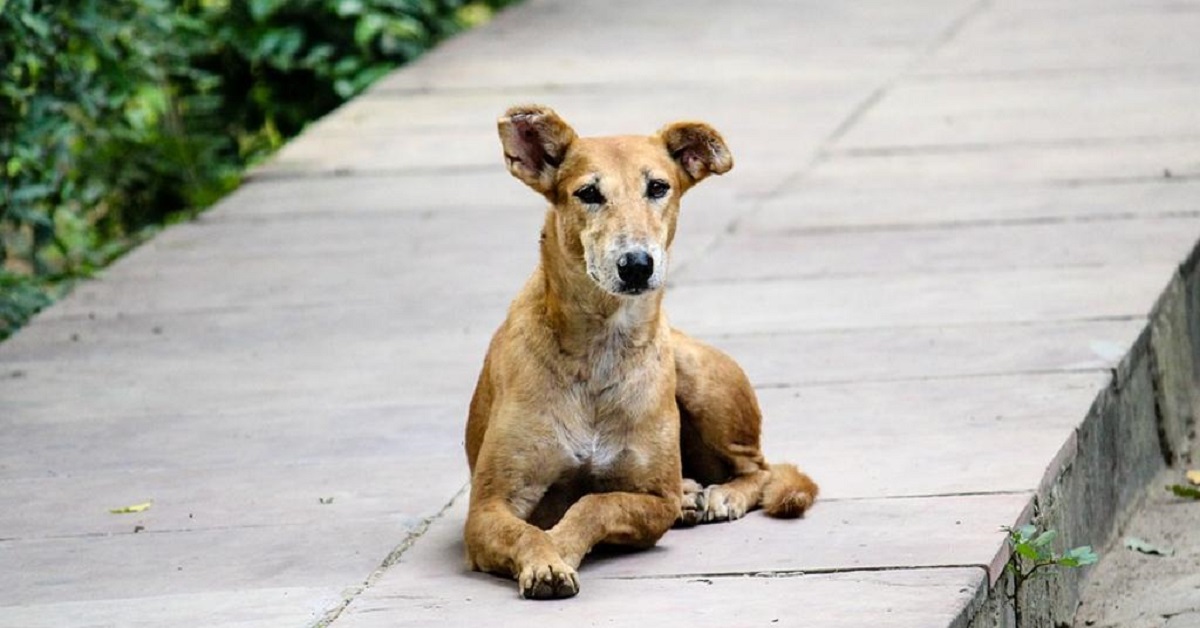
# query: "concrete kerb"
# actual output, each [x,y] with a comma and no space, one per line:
[1144,422]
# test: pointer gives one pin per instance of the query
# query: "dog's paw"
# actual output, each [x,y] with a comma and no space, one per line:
[691,506]
[548,580]
[723,504]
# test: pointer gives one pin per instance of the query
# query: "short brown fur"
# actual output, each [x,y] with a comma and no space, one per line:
[574,433]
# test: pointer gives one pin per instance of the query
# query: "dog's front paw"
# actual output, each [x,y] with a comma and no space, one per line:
[724,504]
[550,580]
[691,506]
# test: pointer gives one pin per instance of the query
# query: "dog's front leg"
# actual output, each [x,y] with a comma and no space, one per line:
[620,518]
[500,542]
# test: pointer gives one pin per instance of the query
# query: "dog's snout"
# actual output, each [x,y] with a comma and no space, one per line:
[635,269]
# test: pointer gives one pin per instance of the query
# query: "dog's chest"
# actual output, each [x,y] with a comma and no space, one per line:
[598,424]
[596,447]
[605,406]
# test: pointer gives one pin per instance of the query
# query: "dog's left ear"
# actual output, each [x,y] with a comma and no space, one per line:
[535,140]
[698,149]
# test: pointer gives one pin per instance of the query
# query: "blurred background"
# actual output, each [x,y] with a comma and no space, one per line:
[119,117]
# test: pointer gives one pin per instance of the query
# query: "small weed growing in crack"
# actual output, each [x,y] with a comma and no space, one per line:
[1031,551]
[1186,492]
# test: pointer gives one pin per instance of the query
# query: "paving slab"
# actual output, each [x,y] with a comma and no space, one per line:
[810,104]
[968,248]
[686,581]
[222,492]
[805,206]
[995,296]
[246,608]
[908,599]
[1024,37]
[887,534]
[1064,164]
[291,197]
[435,368]
[935,352]
[926,437]
[1096,109]
[870,41]
[190,562]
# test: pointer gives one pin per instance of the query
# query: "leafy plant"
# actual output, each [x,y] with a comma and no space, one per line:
[19,297]
[1187,492]
[1032,551]
[117,117]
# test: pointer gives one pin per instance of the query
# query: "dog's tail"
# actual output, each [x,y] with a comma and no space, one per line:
[788,492]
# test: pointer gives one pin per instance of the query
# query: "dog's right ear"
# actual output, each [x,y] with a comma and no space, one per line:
[535,141]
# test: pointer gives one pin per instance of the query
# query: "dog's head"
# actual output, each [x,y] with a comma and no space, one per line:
[615,199]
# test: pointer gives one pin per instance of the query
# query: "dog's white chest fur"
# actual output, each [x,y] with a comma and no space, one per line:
[590,447]
[597,435]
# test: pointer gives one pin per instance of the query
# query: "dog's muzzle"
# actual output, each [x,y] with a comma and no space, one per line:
[634,269]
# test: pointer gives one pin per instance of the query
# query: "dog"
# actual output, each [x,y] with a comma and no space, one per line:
[590,410]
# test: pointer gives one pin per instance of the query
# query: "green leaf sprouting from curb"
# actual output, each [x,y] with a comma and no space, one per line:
[1026,550]
[1187,492]
[1078,557]
[1035,548]
[1045,538]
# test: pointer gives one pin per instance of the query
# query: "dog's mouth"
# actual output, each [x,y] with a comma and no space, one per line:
[619,288]
[633,291]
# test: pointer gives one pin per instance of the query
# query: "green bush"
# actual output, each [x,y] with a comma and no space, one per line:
[119,116]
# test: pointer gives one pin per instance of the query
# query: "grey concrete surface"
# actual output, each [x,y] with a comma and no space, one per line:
[948,225]
[1129,589]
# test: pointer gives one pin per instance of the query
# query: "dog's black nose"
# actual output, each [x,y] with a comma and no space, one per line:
[635,268]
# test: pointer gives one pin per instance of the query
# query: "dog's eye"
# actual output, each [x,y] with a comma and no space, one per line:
[657,188]
[590,194]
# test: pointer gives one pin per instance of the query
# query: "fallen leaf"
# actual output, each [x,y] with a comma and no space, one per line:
[1193,476]
[1180,490]
[1145,547]
[129,509]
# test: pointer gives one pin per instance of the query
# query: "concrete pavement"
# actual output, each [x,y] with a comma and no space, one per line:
[948,224]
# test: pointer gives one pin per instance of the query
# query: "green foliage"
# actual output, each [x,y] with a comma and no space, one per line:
[117,116]
[1186,492]
[1033,550]
[21,298]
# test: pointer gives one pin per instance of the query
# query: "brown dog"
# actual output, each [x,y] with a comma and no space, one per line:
[590,409]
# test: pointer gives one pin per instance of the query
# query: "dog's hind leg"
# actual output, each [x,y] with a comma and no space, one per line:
[719,441]
[693,503]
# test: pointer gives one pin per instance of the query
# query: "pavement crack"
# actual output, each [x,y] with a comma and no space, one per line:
[976,223]
[825,331]
[283,173]
[833,275]
[794,573]
[856,114]
[929,495]
[929,378]
[391,559]
[887,151]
